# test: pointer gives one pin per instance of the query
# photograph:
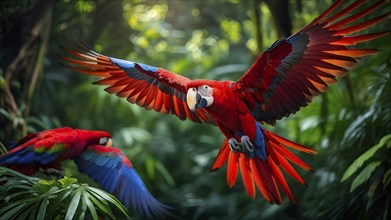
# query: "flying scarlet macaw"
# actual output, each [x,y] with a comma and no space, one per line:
[282,80]
[93,155]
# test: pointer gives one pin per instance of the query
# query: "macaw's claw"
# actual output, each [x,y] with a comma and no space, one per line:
[234,145]
[246,144]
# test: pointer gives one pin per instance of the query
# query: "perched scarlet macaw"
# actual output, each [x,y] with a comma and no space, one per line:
[93,155]
[282,79]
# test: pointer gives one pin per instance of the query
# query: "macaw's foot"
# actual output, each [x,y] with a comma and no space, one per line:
[244,146]
[234,145]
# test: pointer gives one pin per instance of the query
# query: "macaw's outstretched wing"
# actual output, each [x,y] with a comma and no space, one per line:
[147,86]
[109,167]
[294,70]
[48,148]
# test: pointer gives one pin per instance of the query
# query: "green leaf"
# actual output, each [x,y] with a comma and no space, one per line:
[33,211]
[46,182]
[66,194]
[102,207]
[10,206]
[10,210]
[83,204]
[43,186]
[67,181]
[364,175]
[42,209]
[5,113]
[109,198]
[387,177]
[365,156]
[90,206]
[4,170]
[73,205]
[25,214]
[106,196]
[17,194]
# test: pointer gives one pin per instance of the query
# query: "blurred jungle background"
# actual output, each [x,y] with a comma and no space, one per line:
[350,125]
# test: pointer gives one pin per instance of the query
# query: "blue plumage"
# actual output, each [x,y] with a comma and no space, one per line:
[119,178]
[122,63]
[260,149]
[131,65]
[147,67]
[27,156]
[294,38]
[96,158]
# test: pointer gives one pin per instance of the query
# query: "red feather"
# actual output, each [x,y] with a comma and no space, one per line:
[359,39]
[267,175]
[98,160]
[247,177]
[286,70]
[268,181]
[221,156]
[348,9]
[355,17]
[260,182]
[168,90]
[232,168]
[288,167]
[362,26]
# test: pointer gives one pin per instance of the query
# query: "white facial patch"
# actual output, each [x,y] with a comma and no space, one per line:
[205,91]
[105,141]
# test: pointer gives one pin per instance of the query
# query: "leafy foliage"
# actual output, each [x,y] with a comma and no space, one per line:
[358,163]
[24,197]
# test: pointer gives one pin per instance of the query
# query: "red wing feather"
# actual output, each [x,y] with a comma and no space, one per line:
[146,86]
[305,61]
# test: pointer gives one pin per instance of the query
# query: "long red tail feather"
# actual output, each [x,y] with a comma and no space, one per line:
[232,169]
[266,175]
[247,177]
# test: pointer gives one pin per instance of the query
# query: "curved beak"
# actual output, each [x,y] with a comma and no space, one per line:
[204,101]
[191,99]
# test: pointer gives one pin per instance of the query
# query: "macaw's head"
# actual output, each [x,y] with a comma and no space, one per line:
[200,93]
[95,137]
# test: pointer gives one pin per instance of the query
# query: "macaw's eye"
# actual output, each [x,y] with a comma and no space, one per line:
[205,91]
[105,141]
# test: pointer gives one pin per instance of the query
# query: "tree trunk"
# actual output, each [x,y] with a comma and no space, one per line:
[281,16]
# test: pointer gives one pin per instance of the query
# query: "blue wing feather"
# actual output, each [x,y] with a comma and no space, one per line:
[108,168]
[27,156]
[131,65]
